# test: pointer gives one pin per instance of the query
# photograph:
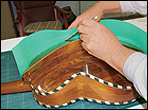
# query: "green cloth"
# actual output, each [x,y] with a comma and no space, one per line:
[38,45]
[127,33]
[25,100]
[41,43]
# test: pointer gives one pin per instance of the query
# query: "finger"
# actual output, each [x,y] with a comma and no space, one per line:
[84,46]
[83,29]
[82,36]
[75,23]
[87,22]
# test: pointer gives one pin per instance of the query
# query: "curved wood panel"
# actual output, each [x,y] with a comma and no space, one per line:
[53,70]
[85,87]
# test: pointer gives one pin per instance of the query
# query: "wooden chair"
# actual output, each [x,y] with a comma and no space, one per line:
[33,16]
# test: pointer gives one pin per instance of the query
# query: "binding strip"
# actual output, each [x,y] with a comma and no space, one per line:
[73,76]
[85,99]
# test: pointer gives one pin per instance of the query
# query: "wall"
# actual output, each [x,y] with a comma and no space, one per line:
[73,4]
[84,5]
[8,28]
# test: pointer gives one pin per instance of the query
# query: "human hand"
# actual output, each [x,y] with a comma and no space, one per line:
[96,10]
[103,44]
[97,39]
[79,19]
[99,9]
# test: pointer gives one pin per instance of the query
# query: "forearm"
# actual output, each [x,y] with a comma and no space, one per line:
[134,6]
[103,7]
[118,58]
[110,7]
[132,65]
[135,70]
[99,9]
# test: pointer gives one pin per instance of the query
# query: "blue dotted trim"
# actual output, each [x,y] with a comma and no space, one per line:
[84,74]
[86,99]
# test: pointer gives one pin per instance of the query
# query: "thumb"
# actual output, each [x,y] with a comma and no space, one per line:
[73,25]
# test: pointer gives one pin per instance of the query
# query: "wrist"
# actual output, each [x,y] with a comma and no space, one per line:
[118,58]
[95,10]
[110,7]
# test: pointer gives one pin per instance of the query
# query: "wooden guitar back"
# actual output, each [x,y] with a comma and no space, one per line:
[60,78]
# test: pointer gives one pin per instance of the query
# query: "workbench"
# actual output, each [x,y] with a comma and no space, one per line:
[25,100]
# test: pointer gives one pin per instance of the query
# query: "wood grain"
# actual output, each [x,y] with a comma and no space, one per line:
[85,87]
[54,69]
[15,87]
[51,72]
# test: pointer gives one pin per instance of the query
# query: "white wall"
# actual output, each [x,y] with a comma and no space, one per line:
[73,4]
[84,5]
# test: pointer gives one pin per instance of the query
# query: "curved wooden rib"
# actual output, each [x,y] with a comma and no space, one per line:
[72,77]
[15,87]
[53,70]
[84,88]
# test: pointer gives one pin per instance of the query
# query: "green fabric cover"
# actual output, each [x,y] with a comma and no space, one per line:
[127,33]
[37,45]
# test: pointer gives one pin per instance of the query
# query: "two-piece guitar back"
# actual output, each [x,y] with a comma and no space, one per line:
[70,74]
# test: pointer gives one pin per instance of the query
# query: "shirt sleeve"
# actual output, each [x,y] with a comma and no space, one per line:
[135,70]
[134,6]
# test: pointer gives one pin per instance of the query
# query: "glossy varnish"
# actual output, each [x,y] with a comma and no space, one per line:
[54,69]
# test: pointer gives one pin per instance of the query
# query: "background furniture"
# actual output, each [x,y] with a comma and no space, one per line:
[8,28]
[26,100]
[40,12]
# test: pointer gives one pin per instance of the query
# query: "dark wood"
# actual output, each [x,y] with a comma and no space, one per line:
[64,13]
[54,69]
[32,11]
[83,86]
[15,87]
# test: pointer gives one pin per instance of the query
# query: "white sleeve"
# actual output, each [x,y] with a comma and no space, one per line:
[134,6]
[135,70]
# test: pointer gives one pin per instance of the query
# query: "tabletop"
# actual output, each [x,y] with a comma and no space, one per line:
[9,72]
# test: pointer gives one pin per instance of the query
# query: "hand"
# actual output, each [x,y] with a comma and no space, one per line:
[95,10]
[97,39]
[103,44]
[80,18]
[99,9]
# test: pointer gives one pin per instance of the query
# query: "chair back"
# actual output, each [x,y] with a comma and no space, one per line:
[35,11]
